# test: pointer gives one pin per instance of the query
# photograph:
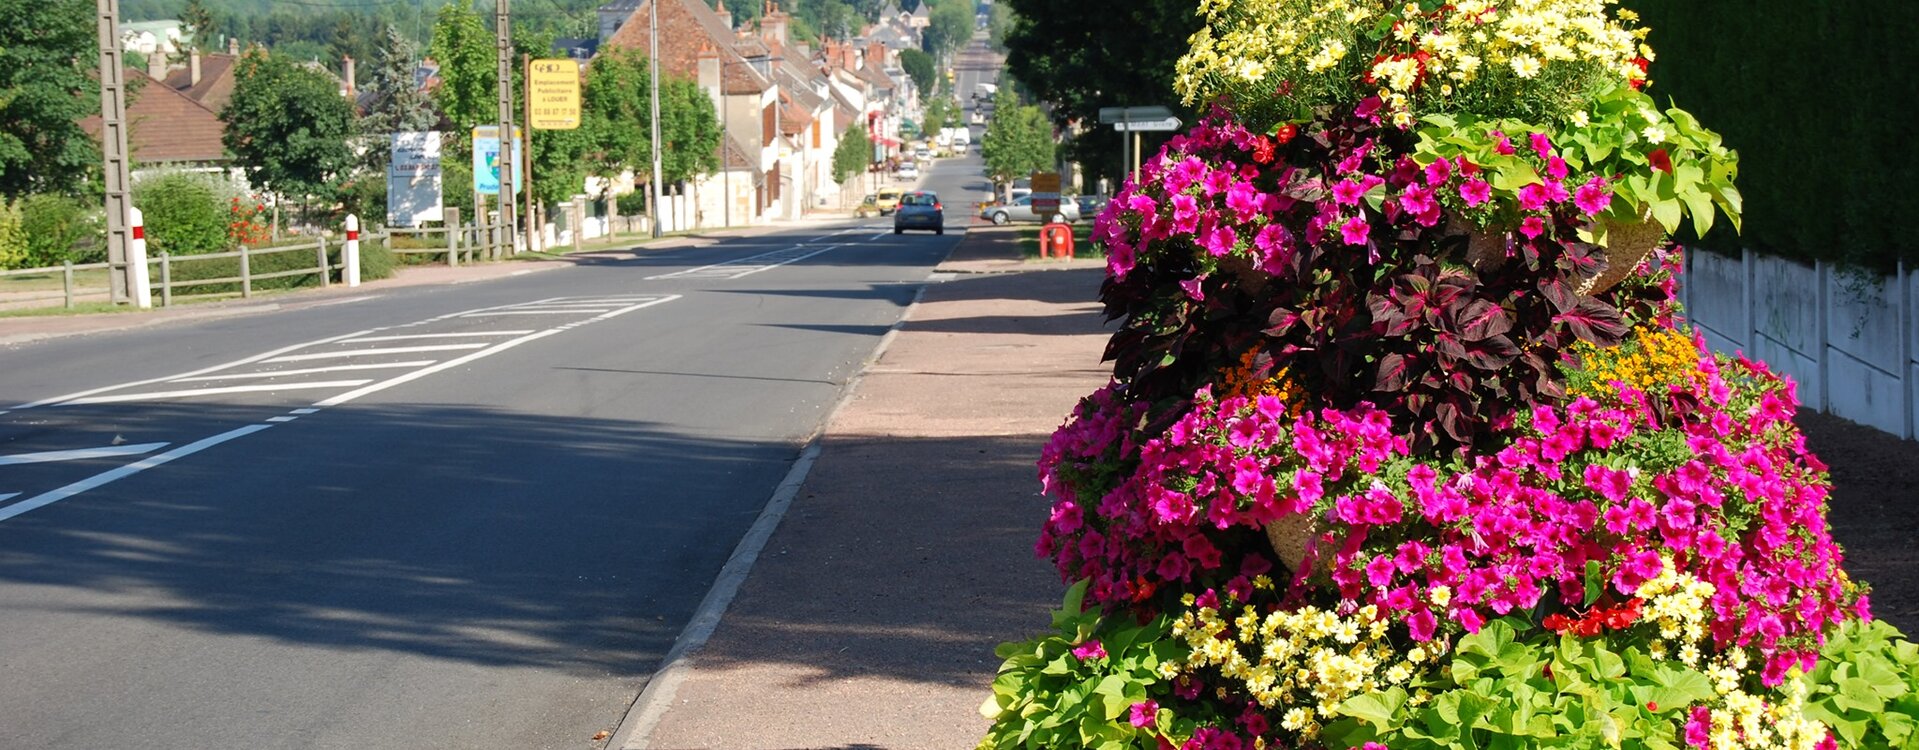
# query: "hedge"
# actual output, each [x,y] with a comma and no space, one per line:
[1814,98]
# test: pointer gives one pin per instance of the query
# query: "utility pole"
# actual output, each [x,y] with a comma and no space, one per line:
[531,217]
[653,82]
[113,137]
[509,226]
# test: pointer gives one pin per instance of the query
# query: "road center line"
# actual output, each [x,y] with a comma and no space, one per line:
[535,312]
[376,352]
[157,395]
[80,453]
[53,496]
[307,371]
[6,495]
[412,336]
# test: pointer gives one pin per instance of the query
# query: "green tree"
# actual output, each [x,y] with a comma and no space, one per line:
[1018,141]
[919,66]
[47,52]
[999,23]
[1071,59]
[198,24]
[288,126]
[939,112]
[469,76]
[689,132]
[186,213]
[853,155]
[397,103]
[616,113]
[952,25]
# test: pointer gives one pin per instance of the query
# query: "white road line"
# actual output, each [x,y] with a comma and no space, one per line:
[412,336]
[535,312]
[487,352]
[45,499]
[307,371]
[303,411]
[157,395]
[281,419]
[4,496]
[738,262]
[80,453]
[375,352]
[202,371]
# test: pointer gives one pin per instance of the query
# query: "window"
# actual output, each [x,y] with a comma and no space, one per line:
[921,199]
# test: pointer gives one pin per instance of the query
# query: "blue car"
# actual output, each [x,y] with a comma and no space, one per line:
[920,210]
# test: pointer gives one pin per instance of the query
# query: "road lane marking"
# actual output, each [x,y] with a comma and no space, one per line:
[307,371]
[4,496]
[202,371]
[487,352]
[281,419]
[192,392]
[303,411]
[412,336]
[50,497]
[534,312]
[375,352]
[80,453]
[776,259]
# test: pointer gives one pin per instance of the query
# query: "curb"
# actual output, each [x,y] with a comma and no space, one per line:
[636,727]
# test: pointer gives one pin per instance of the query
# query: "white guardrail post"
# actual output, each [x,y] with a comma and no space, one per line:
[137,260]
[350,255]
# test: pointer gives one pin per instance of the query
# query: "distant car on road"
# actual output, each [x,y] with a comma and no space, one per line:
[1092,205]
[1021,209]
[909,171]
[920,210]
[887,199]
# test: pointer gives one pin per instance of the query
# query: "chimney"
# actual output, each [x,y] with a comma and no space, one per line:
[719,7]
[346,65]
[157,65]
[876,55]
[708,65]
[233,46]
[773,26]
[193,67]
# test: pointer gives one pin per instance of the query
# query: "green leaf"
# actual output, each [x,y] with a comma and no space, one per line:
[1595,582]
[1667,212]
[1699,206]
[1377,709]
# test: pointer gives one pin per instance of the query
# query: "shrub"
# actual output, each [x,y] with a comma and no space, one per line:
[13,242]
[59,229]
[186,214]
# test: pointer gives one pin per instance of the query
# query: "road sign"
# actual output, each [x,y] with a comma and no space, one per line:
[1116,115]
[554,88]
[486,160]
[1045,194]
[413,187]
[1145,126]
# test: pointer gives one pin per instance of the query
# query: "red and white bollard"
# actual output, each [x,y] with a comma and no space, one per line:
[137,276]
[350,255]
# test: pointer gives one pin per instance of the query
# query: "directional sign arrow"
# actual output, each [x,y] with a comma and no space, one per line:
[1169,123]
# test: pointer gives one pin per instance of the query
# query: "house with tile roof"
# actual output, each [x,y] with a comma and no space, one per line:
[745,98]
[168,129]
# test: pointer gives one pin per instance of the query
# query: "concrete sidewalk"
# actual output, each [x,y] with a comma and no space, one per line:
[870,617]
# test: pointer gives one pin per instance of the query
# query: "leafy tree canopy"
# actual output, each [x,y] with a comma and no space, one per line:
[919,67]
[288,125]
[853,154]
[47,50]
[1018,141]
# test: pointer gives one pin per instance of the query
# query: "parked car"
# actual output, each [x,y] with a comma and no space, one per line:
[909,171]
[887,200]
[869,207]
[1021,209]
[920,210]
[922,152]
[1092,205]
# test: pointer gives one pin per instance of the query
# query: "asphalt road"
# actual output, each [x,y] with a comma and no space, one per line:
[471,516]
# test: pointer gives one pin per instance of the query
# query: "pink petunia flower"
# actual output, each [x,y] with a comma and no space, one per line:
[1475,191]
[1145,713]
[1532,227]
[1533,197]
[1348,192]
[1502,145]
[1542,145]
[1089,651]
[1354,231]
[1438,171]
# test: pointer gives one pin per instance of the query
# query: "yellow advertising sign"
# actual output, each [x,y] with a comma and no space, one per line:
[553,94]
[1045,182]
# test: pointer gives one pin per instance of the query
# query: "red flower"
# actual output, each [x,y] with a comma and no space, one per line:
[1660,160]
[1557,623]
[1285,133]
[1263,150]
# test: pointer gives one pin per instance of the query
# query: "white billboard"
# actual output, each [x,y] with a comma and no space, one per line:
[413,185]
